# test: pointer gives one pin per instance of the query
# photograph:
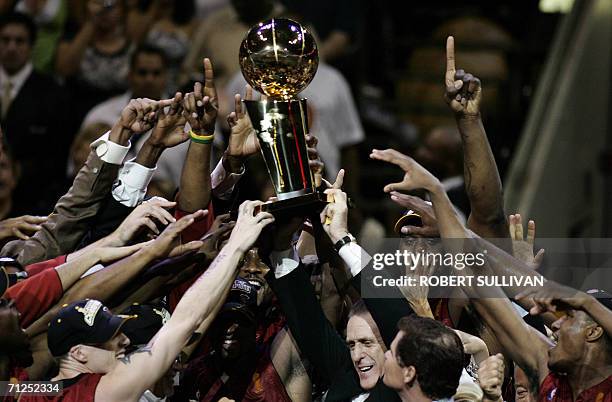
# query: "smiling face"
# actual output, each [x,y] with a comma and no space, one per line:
[366,352]
[254,271]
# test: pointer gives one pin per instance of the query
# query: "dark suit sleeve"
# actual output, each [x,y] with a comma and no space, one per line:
[386,311]
[108,219]
[315,336]
[71,217]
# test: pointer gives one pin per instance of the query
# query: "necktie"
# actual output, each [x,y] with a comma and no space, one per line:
[6,97]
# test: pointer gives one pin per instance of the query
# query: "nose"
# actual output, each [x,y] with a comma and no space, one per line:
[252,269]
[124,341]
[557,324]
[388,355]
[358,352]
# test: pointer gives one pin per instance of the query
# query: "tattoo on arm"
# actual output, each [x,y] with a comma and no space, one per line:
[145,349]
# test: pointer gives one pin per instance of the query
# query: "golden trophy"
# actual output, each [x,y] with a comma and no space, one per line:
[279,58]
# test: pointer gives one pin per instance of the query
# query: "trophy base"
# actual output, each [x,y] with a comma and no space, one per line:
[302,205]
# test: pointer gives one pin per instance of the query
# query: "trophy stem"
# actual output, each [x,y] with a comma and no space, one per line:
[295,137]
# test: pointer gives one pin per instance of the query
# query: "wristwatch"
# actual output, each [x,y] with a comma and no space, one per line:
[344,241]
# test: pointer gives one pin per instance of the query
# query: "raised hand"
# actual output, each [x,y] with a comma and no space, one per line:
[140,114]
[463,91]
[169,239]
[249,225]
[415,177]
[170,128]
[201,105]
[243,139]
[219,230]
[21,227]
[523,248]
[425,211]
[146,215]
[491,377]
[334,216]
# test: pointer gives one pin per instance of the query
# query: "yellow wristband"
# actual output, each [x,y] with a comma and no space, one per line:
[201,137]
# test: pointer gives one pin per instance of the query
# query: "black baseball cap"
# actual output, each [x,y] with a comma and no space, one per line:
[146,320]
[86,322]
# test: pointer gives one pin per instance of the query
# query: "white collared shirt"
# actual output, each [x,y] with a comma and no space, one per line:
[17,80]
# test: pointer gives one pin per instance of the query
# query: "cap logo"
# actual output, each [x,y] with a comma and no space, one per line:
[164,314]
[89,311]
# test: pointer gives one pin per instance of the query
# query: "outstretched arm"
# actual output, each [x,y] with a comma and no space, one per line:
[140,370]
[482,182]
[200,109]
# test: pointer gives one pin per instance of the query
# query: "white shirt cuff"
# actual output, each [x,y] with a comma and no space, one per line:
[108,151]
[354,257]
[284,262]
[222,182]
[132,182]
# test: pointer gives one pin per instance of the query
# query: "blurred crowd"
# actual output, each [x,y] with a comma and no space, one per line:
[139,261]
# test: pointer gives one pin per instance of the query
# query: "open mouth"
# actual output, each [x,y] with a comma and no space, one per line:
[365,369]
[255,281]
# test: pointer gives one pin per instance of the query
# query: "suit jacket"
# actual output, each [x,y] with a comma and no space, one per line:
[71,217]
[39,135]
[318,340]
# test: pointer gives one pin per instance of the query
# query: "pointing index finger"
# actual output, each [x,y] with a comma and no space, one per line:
[450,63]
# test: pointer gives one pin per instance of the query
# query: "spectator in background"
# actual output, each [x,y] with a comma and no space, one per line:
[95,57]
[335,22]
[220,36]
[168,25]
[50,17]
[147,78]
[33,118]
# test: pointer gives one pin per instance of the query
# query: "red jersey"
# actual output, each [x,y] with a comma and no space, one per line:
[36,295]
[556,388]
[81,388]
[37,268]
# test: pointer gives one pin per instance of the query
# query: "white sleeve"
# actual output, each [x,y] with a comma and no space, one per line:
[355,257]
[284,262]
[223,183]
[109,151]
[132,182]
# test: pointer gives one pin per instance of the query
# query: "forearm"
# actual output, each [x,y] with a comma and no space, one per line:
[195,185]
[482,181]
[449,224]
[70,54]
[71,217]
[201,302]
[71,271]
[149,154]
[108,241]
